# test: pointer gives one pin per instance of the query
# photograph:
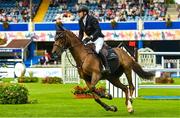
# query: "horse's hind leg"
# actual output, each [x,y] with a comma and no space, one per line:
[97,98]
[128,73]
[116,82]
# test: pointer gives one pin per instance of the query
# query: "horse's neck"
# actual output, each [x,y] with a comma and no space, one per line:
[78,52]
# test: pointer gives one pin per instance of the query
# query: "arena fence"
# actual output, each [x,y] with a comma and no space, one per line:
[117,92]
[170,62]
[69,72]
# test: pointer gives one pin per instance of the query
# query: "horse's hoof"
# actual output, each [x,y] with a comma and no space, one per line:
[132,112]
[130,109]
[113,108]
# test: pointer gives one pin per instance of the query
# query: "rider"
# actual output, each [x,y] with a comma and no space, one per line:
[90,32]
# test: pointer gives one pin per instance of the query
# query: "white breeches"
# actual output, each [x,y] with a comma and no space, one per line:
[98,44]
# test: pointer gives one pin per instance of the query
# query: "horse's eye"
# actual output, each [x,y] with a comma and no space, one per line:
[61,35]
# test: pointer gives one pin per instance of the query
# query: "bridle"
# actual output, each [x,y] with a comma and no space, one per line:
[61,37]
[64,48]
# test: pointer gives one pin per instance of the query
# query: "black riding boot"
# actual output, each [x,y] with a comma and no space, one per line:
[105,63]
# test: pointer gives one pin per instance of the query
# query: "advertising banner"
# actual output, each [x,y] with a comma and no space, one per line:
[116,35]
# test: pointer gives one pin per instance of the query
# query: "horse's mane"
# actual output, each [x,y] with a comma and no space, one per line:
[72,33]
[88,48]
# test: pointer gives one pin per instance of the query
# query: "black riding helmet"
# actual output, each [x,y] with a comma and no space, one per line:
[83,8]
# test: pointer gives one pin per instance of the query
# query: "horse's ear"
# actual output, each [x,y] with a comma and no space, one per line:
[59,27]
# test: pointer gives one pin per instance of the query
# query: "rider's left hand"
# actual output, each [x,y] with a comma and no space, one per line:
[86,40]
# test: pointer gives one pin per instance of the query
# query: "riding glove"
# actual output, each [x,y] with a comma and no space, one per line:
[86,40]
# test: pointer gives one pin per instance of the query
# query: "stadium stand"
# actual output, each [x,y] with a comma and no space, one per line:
[17,10]
[106,10]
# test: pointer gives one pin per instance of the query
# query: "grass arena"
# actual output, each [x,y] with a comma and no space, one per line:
[42,58]
[57,100]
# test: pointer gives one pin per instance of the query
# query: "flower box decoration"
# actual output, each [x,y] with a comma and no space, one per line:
[3,41]
[84,92]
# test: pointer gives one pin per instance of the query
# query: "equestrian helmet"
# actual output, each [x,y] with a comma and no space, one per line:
[83,8]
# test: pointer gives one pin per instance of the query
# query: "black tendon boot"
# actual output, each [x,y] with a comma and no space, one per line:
[105,63]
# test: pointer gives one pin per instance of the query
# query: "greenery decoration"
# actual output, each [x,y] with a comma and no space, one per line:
[52,80]
[24,79]
[3,41]
[113,24]
[5,25]
[29,79]
[59,23]
[13,94]
[168,21]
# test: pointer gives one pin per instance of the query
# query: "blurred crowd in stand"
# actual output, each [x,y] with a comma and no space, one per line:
[17,10]
[105,10]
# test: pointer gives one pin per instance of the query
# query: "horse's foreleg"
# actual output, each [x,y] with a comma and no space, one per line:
[105,95]
[97,98]
[105,106]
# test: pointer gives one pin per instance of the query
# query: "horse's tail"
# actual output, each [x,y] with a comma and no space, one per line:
[138,69]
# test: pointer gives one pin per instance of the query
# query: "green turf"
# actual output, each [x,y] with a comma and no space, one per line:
[56,100]
[176,81]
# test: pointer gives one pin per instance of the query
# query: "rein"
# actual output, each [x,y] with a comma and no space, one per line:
[65,49]
[70,61]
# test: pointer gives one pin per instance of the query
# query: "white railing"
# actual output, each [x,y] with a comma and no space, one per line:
[146,60]
[117,92]
[165,66]
[161,67]
[69,73]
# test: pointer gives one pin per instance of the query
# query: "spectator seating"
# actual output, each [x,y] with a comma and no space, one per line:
[108,11]
[17,11]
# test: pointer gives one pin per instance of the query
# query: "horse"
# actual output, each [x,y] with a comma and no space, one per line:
[90,67]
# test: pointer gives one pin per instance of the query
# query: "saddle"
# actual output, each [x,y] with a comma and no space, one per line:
[110,54]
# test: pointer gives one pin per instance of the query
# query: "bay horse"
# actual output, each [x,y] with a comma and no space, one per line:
[90,66]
